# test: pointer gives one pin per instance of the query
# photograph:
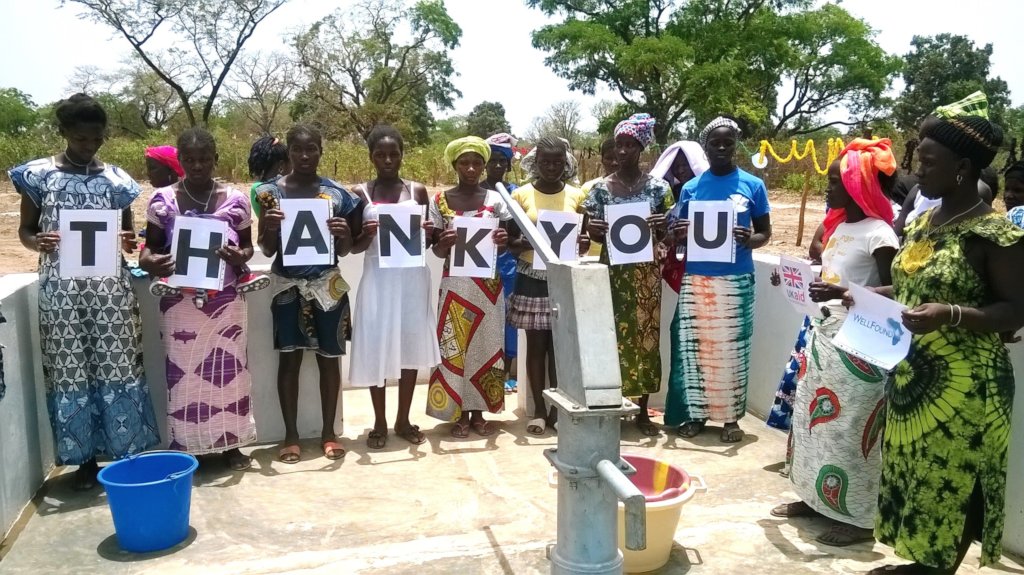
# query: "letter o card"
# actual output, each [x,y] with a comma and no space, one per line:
[305,239]
[89,243]
[710,238]
[629,238]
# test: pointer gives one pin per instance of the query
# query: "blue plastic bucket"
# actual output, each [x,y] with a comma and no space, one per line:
[150,496]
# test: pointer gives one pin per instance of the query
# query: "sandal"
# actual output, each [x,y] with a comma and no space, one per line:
[690,429]
[376,439]
[411,434]
[85,476]
[537,426]
[731,433]
[648,428]
[289,454]
[236,460]
[460,430]
[843,535]
[333,450]
[482,428]
[794,509]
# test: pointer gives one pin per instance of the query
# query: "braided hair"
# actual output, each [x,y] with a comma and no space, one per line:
[266,154]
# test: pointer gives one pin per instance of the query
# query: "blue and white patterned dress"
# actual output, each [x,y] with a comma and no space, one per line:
[90,332]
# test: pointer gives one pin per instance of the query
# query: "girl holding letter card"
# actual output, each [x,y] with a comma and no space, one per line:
[309,302]
[471,315]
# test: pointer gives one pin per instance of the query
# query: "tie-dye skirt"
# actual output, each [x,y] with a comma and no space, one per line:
[710,340]
[209,388]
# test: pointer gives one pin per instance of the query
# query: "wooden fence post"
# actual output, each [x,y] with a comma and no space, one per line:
[803,209]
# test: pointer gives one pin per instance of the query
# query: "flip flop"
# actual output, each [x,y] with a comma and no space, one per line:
[482,428]
[537,426]
[794,509]
[333,450]
[289,454]
[842,535]
[376,439]
[731,434]
[412,435]
[690,429]
[648,428]
[460,430]
[237,463]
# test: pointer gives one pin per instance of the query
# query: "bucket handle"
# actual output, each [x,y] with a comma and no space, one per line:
[702,486]
[176,475]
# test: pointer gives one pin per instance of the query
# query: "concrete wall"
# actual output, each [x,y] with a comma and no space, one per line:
[26,445]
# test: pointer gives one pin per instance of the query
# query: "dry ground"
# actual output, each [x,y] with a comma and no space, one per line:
[15,258]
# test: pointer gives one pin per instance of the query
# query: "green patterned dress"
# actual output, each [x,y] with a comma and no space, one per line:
[636,294]
[949,405]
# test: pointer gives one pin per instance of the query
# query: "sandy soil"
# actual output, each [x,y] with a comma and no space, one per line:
[15,258]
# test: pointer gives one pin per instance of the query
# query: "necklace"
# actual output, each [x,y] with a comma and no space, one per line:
[954,218]
[206,204]
[68,159]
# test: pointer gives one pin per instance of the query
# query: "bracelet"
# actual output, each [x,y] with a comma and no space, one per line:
[959,316]
[950,313]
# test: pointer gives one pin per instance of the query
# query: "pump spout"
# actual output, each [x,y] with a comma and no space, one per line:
[632,499]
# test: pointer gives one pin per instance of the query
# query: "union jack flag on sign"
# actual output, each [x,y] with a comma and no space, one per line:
[792,277]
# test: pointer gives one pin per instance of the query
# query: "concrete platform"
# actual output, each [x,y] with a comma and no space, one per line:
[447,506]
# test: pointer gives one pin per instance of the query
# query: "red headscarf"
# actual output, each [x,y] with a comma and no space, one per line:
[860,162]
[168,156]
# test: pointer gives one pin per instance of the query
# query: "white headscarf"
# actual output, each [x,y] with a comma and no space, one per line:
[694,156]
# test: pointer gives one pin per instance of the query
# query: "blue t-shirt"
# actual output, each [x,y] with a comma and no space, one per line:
[748,194]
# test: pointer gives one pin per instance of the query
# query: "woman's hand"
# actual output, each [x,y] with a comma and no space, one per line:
[741,234]
[1009,337]
[582,244]
[823,291]
[500,237]
[927,317]
[597,228]
[428,228]
[774,279]
[128,241]
[658,222]
[338,227]
[47,242]
[157,265]
[272,219]
[679,230]
[448,237]
[370,229]
[233,255]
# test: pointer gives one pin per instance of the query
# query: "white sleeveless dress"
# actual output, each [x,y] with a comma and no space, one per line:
[393,323]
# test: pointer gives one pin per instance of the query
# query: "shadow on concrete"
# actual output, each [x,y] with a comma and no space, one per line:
[57,496]
[109,549]
[707,441]
[808,529]
[506,567]
[265,460]
[680,561]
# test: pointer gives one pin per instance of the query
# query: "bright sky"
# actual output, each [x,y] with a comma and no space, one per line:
[43,44]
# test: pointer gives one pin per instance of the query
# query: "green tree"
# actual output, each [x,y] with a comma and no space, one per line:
[17,112]
[942,69]
[214,32]
[833,61]
[677,63]
[487,118]
[381,61]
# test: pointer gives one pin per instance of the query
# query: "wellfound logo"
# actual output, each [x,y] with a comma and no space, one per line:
[893,329]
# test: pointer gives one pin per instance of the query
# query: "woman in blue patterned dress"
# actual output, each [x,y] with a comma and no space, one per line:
[96,394]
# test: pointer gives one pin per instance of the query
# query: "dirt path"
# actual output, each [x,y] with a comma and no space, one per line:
[14,258]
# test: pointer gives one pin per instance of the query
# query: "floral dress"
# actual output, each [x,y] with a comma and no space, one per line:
[636,294]
[949,405]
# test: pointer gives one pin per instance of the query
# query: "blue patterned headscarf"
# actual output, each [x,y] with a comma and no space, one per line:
[639,126]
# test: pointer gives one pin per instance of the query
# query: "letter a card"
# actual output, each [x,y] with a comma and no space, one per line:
[709,238]
[89,243]
[305,239]
[629,238]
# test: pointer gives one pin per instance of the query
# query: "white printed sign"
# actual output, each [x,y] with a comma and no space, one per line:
[474,254]
[629,239]
[796,277]
[305,239]
[561,230]
[873,330]
[709,238]
[89,243]
[195,245]
[401,242]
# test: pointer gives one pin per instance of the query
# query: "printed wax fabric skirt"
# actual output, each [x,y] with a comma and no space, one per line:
[209,388]
[781,414]
[636,306]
